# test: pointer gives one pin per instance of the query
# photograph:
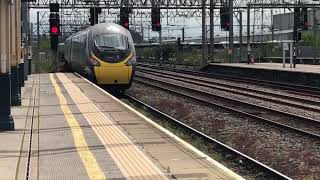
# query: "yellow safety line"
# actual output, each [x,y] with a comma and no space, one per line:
[109,131]
[131,161]
[170,134]
[90,163]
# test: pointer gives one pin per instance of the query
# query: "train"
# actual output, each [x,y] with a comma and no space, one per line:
[103,53]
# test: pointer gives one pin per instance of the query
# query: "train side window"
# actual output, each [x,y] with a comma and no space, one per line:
[71,48]
[82,47]
[75,47]
[83,40]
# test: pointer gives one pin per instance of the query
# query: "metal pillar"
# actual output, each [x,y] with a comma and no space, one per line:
[15,82]
[295,32]
[261,33]
[296,22]
[38,43]
[6,121]
[314,35]
[25,37]
[272,26]
[284,55]
[30,37]
[182,34]
[240,34]
[294,54]
[142,28]
[204,41]
[248,36]
[19,58]
[231,49]
[291,54]
[211,48]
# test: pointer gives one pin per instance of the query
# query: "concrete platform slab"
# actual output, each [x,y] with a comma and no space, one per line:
[67,128]
[306,75]
[172,154]
[278,66]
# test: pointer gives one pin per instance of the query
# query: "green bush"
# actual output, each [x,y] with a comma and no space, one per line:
[308,37]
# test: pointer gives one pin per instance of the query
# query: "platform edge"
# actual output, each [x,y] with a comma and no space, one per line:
[200,153]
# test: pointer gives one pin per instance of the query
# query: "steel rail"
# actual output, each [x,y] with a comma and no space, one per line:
[241,112]
[296,89]
[226,88]
[225,148]
[272,173]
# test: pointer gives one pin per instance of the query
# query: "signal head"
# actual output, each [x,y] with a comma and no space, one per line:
[54,30]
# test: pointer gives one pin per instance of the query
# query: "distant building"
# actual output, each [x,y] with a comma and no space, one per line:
[283,22]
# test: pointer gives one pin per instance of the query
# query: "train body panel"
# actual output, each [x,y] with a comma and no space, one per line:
[113,75]
[104,53]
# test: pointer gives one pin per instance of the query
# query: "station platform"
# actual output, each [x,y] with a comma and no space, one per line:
[306,75]
[68,128]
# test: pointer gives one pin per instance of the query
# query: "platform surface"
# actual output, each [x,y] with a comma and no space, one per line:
[276,66]
[67,128]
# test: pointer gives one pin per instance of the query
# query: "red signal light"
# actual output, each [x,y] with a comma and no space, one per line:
[126,24]
[54,30]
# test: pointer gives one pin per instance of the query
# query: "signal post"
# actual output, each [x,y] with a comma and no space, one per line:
[6,121]
[124,17]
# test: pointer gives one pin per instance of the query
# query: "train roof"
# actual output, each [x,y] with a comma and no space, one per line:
[103,28]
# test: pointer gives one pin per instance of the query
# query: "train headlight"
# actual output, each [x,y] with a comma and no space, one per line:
[131,61]
[94,62]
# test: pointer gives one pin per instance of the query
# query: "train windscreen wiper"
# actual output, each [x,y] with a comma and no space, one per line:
[111,47]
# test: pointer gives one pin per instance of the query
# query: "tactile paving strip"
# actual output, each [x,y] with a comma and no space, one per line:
[129,158]
[103,158]
[81,147]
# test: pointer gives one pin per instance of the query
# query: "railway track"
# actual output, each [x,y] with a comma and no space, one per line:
[307,91]
[288,100]
[220,147]
[299,124]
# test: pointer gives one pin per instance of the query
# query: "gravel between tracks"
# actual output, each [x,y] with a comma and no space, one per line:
[247,85]
[238,88]
[287,152]
[243,98]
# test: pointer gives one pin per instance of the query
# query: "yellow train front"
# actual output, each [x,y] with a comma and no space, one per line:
[103,53]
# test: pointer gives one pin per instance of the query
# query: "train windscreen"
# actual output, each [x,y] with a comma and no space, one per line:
[116,41]
[111,48]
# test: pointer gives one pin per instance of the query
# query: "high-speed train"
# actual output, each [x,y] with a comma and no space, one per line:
[104,53]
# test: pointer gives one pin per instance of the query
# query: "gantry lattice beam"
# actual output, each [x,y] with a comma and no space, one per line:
[75,16]
[164,4]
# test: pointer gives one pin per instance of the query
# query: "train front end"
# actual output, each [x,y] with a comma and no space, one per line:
[114,59]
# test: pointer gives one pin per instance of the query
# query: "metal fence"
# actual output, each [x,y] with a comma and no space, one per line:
[189,54]
[43,62]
